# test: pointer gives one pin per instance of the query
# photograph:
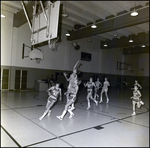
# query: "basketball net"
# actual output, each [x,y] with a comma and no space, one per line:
[129,68]
[38,60]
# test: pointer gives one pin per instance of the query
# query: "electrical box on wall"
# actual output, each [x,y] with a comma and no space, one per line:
[86,56]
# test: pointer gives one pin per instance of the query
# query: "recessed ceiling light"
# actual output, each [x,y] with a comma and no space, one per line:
[143,45]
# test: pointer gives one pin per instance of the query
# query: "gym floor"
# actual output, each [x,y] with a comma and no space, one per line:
[105,125]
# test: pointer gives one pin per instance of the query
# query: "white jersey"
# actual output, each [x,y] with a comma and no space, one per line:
[106,84]
[98,84]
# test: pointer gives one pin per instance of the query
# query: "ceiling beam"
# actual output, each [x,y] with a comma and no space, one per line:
[104,5]
[135,50]
[122,31]
[79,14]
[144,27]
[12,4]
[141,38]
[111,24]
[124,4]
[67,22]
[20,18]
[84,6]
[9,9]
[106,36]
[77,21]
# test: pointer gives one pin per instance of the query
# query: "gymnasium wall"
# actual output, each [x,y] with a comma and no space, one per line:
[34,74]
[6,38]
[103,62]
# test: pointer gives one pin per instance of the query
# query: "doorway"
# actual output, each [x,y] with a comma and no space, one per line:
[21,79]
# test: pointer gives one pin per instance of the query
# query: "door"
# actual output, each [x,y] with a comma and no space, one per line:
[4,78]
[21,79]
[24,80]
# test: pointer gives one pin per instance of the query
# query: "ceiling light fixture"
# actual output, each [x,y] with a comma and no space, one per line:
[143,45]
[105,45]
[130,40]
[67,34]
[2,14]
[64,14]
[134,12]
[93,25]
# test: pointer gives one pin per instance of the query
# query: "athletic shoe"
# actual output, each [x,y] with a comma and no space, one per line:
[49,113]
[133,114]
[88,107]
[59,117]
[107,100]
[138,104]
[71,115]
[100,101]
[142,102]
[40,118]
[96,103]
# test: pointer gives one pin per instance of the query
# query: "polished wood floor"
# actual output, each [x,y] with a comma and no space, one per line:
[105,125]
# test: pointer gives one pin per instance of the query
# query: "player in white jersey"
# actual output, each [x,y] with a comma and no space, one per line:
[73,77]
[98,85]
[105,89]
[72,92]
[53,93]
[90,84]
[136,100]
[137,84]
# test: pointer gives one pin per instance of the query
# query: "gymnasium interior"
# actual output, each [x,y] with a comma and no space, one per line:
[40,40]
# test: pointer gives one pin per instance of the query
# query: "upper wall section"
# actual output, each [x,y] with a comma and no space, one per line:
[65,57]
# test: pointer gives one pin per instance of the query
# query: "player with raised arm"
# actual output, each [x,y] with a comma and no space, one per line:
[72,92]
[73,77]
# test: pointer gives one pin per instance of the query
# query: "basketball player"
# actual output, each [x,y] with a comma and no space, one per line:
[53,93]
[72,92]
[90,84]
[73,77]
[137,84]
[98,85]
[136,100]
[105,89]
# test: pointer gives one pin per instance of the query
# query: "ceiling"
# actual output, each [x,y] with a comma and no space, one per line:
[112,18]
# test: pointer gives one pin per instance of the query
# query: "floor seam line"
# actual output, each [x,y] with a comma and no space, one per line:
[11,136]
